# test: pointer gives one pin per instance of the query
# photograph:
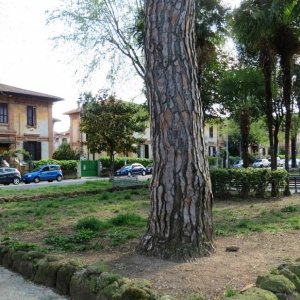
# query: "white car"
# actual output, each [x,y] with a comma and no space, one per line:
[297,162]
[238,164]
[261,163]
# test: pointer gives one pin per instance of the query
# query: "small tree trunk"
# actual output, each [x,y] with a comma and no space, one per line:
[293,151]
[286,62]
[180,222]
[245,130]
[267,70]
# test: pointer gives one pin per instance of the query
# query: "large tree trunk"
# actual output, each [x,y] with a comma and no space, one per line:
[180,221]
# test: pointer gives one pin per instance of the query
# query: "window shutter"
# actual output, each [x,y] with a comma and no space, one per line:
[38,149]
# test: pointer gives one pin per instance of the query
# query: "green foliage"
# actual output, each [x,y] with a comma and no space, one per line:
[119,162]
[65,152]
[24,246]
[110,124]
[68,165]
[75,241]
[230,292]
[127,219]
[246,182]
[89,223]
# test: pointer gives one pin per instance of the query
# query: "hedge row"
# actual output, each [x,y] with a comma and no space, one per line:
[121,161]
[247,182]
[66,165]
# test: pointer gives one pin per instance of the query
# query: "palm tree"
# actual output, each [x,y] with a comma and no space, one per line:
[286,40]
[252,27]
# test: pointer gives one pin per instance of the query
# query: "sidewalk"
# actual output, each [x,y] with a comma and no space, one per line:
[14,287]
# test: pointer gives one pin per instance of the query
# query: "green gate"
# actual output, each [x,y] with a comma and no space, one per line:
[89,168]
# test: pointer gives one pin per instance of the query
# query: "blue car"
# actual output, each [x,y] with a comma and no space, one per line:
[44,173]
[133,169]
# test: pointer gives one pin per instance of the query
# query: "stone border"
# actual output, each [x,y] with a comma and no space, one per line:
[69,279]
[281,283]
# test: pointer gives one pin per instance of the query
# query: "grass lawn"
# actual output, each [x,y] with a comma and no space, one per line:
[106,220]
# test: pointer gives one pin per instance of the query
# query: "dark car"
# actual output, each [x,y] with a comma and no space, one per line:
[44,173]
[9,175]
[133,169]
[149,169]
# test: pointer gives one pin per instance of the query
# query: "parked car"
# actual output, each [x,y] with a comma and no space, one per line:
[133,169]
[238,164]
[297,162]
[9,175]
[149,169]
[261,163]
[44,173]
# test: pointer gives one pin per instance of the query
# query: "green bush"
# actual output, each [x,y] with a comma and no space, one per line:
[89,223]
[66,165]
[247,182]
[121,161]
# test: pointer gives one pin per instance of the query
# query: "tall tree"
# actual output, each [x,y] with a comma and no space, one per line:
[180,222]
[101,30]
[252,27]
[242,92]
[286,40]
[110,124]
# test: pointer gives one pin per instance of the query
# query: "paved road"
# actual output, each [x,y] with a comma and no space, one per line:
[14,287]
[46,183]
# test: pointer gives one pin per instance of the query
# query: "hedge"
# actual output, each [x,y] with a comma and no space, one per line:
[121,161]
[247,182]
[66,165]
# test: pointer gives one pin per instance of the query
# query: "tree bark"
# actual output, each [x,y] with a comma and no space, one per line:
[180,221]
[266,59]
[245,131]
[286,65]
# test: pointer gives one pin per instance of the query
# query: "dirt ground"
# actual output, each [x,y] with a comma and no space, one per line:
[208,276]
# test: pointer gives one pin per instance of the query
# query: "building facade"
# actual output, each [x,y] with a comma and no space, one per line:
[213,135]
[26,121]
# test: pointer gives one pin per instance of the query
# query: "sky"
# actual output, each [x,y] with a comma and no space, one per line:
[30,61]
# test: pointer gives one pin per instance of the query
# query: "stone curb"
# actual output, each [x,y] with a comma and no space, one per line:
[69,279]
[281,283]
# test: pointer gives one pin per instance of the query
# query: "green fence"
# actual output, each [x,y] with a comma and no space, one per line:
[89,168]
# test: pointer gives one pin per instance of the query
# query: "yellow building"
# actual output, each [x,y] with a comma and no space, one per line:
[26,121]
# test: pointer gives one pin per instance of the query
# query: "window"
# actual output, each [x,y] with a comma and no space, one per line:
[211,131]
[34,148]
[31,115]
[3,113]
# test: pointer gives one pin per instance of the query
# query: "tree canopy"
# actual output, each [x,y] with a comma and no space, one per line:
[110,124]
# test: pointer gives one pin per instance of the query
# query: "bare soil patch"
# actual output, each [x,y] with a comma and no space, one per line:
[208,276]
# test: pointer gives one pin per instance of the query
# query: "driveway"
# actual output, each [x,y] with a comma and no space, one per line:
[14,287]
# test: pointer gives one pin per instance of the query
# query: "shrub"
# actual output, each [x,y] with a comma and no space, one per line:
[89,223]
[246,182]
[66,165]
[121,161]
[127,219]
[65,152]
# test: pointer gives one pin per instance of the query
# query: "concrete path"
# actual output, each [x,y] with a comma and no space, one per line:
[14,287]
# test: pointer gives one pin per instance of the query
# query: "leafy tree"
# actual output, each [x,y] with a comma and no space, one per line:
[286,40]
[110,124]
[65,152]
[252,27]
[115,30]
[180,221]
[102,30]
[242,92]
